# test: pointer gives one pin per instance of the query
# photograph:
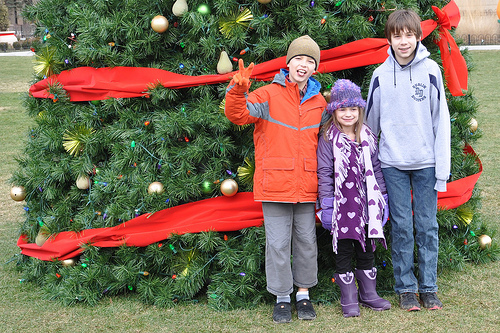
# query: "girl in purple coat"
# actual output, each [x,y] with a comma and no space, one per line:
[352,196]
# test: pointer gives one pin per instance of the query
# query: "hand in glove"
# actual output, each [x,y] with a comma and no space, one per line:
[242,78]
[326,213]
[386,210]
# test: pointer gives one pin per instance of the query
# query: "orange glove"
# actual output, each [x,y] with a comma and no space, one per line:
[242,78]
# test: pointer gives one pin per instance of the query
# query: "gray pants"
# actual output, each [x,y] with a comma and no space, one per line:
[290,230]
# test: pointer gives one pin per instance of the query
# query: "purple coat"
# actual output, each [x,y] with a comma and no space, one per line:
[351,215]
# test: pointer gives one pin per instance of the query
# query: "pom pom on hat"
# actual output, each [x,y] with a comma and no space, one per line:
[345,94]
[304,45]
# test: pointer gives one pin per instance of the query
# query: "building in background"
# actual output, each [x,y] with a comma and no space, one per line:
[479,23]
[22,28]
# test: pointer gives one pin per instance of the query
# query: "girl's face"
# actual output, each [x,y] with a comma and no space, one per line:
[347,117]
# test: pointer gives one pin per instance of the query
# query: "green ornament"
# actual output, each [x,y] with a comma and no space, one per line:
[204,9]
[95,102]
[206,187]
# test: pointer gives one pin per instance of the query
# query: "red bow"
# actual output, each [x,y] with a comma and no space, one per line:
[455,67]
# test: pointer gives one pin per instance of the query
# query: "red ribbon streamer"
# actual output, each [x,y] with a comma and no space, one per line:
[459,191]
[88,83]
[218,214]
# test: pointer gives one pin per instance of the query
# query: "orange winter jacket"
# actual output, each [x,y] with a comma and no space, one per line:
[285,136]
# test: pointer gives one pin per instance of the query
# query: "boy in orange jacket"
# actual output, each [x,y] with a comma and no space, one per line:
[287,115]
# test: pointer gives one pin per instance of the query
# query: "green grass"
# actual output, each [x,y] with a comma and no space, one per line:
[471,297]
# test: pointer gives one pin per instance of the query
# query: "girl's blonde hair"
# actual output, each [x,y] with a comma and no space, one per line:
[333,120]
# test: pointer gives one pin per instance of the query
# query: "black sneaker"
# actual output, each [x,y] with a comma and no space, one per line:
[430,301]
[409,302]
[282,313]
[305,310]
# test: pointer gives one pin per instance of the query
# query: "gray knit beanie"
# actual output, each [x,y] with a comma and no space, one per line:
[345,94]
[303,45]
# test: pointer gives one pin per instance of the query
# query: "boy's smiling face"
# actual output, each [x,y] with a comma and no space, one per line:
[301,68]
[404,44]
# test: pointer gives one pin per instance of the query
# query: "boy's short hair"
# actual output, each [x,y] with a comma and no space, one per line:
[401,20]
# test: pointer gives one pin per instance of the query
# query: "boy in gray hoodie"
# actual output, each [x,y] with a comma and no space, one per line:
[407,107]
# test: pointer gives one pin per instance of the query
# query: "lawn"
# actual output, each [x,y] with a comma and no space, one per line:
[471,297]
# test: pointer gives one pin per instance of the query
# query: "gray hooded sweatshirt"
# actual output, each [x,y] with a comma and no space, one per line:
[407,107]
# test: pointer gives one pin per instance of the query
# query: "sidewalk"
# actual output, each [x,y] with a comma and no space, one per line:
[480,47]
[17,53]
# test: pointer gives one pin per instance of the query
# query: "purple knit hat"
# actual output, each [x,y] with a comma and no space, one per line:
[344,94]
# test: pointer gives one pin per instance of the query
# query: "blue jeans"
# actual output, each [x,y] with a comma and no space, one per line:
[413,222]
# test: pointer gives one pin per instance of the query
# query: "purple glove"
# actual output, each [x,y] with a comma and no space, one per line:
[386,210]
[326,213]
[326,218]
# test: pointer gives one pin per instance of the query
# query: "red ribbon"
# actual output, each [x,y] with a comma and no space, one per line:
[455,67]
[459,191]
[218,214]
[88,83]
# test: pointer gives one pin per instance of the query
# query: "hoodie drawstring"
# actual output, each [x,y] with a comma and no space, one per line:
[394,72]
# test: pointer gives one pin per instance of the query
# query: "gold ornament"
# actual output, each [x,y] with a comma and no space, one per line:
[224,65]
[473,125]
[265,2]
[18,193]
[326,95]
[235,20]
[155,187]
[83,182]
[180,7]
[484,241]
[74,140]
[159,24]
[229,187]
[68,262]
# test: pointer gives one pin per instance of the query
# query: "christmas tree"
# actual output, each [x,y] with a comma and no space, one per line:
[151,140]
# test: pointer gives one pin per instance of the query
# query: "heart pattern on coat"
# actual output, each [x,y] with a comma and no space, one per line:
[351,215]
[344,229]
[349,185]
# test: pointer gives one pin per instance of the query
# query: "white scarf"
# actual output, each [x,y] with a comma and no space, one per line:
[374,199]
